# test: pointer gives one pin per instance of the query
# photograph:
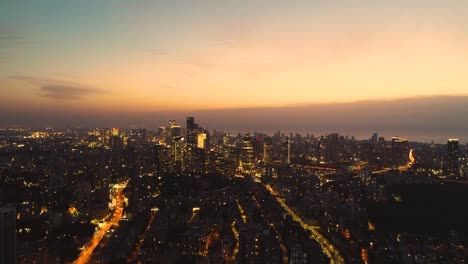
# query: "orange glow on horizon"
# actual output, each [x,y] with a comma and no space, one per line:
[284,68]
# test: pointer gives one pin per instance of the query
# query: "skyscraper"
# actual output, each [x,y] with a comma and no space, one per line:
[192,142]
[332,148]
[190,121]
[246,155]
[286,151]
[174,129]
[7,235]
[105,136]
[115,132]
[115,140]
[452,156]
[159,157]
[177,153]
[172,123]
[138,135]
[201,141]
[400,151]
[267,150]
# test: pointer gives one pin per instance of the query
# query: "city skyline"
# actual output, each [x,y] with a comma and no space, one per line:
[185,194]
[406,117]
[236,132]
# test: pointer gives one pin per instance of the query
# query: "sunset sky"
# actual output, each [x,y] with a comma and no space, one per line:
[142,56]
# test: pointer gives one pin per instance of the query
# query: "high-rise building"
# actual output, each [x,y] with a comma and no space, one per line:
[400,151]
[202,151]
[172,123]
[159,157]
[115,140]
[132,159]
[178,153]
[138,135]
[286,151]
[380,156]
[115,132]
[332,148]
[7,235]
[246,155]
[452,156]
[201,143]
[267,150]
[190,121]
[174,129]
[105,136]
[192,141]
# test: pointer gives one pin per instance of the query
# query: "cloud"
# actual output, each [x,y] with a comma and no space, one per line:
[8,33]
[58,89]
[61,92]
[30,79]
[11,38]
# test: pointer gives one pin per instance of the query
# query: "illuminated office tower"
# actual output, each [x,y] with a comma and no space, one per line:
[138,135]
[286,151]
[267,150]
[247,155]
[114,140]
[201,142]
[202,151]
[175,129]
[7,235]
[452,156]
[192,141]
[178,152]
[172,123]
[115,132]
[105,136]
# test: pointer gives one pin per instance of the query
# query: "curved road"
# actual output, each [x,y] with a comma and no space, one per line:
[111,220]
[332,253]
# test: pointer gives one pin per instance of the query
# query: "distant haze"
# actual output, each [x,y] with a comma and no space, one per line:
[419,119]
[302,65]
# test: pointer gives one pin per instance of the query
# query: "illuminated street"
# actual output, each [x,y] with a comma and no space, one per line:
[327,247]
[140,242]
[235,251]
[110,221]
[188,194]
[281,243]
[242,212]
[412,159]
